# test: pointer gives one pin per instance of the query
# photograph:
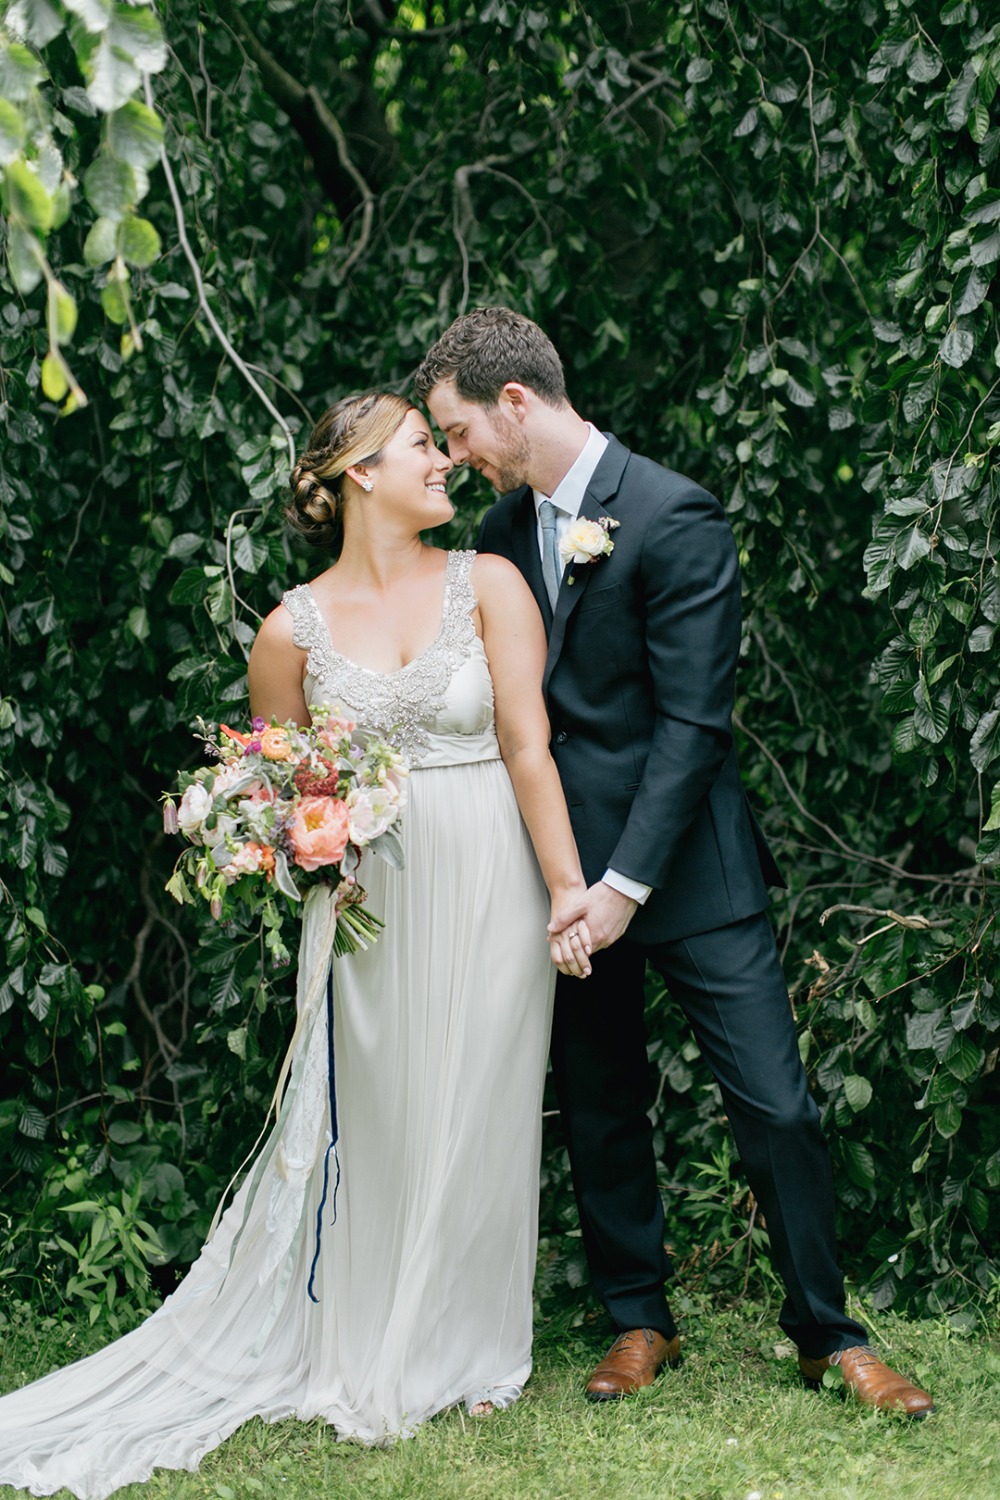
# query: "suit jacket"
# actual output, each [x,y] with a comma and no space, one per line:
[643,647]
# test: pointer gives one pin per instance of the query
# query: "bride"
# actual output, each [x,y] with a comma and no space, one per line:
[414,1290]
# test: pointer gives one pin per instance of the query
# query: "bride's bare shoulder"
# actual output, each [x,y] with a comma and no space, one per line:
[497,574]
[277,629]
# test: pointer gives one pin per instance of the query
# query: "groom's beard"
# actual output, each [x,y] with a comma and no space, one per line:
[513,456]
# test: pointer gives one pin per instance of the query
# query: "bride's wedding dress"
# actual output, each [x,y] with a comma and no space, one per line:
[423,1281]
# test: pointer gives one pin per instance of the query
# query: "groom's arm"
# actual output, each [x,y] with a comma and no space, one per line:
[691,594]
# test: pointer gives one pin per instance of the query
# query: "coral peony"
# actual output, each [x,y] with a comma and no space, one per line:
[319,832]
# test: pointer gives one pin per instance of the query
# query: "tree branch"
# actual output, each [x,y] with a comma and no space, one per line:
[329,145]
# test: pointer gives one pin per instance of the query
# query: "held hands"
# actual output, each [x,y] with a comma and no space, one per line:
[569,938]
[608,914]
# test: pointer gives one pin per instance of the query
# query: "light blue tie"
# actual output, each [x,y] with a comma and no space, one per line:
[551,569]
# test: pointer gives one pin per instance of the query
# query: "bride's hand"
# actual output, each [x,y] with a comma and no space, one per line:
[569,936]
[570,949]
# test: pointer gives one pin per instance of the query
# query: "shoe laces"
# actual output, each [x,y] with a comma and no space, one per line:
[624,1340]
[864,1353]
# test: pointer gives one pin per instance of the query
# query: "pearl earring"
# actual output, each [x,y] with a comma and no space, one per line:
[367,486]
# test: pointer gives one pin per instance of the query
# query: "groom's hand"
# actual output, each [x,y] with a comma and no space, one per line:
[608,914]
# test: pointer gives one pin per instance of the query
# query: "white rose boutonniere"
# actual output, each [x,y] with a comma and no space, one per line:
[586,541]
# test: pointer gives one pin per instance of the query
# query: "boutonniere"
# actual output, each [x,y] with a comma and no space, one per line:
[586,541]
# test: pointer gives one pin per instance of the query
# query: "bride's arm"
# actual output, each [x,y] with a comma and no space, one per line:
[514,638]
[275,672]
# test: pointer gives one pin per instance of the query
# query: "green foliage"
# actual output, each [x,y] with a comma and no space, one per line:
[765,239]
[41,161]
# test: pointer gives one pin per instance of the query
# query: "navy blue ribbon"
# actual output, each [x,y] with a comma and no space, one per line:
[331,1075]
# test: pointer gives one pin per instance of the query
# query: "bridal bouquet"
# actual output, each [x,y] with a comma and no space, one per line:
[282,808]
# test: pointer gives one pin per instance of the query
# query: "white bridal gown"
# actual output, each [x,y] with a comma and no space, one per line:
[424,1280]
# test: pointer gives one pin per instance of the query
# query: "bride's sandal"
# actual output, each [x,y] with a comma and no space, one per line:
[492,1399]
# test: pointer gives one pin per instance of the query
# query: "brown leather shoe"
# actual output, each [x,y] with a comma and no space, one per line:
[634,1360]
[869,1380]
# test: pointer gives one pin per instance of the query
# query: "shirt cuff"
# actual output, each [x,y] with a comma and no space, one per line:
[627,886]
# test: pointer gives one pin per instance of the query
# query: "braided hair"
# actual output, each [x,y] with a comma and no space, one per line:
[354,431]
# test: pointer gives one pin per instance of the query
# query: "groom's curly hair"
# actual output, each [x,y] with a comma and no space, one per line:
[484,349]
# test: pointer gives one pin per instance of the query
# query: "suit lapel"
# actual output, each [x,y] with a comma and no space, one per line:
[596,504]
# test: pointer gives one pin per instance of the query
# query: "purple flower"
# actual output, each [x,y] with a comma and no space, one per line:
[257,725]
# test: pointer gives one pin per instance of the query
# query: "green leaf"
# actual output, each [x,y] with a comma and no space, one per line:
[904,737]
[138,622]
[37,20]
[931,716]
[101,244]
[32,1123]
[109,187]
[948,1118]
[125,1132]
[985,209]
[54,382]
[135,134]
[993,821]
[39,1003]
[62,313]
[985,744]
[95,14]
[114,300]
[985,247]
[20,71]
[924,625]
[956,347]
[12,132]
[55,860]
[138,34]
[236,1041]
[958,99]
[138,242]
[859,1162]
[979,124]
[914,545]
[963,1058]
[857,1092]
[26,197]
[112,76]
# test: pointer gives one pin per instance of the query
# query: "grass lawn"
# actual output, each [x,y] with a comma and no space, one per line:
[734,1423]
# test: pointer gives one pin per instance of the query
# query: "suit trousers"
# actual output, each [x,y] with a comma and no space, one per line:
[730,986]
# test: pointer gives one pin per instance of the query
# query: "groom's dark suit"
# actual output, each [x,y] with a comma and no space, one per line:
[643,647]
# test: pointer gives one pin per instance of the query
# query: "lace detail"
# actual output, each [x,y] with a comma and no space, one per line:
[396,705]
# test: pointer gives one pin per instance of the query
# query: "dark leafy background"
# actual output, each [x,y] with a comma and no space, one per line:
[765,239]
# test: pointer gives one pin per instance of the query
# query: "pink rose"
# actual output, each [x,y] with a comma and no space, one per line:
[319,832]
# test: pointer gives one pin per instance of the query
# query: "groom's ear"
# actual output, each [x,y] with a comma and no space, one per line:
[515,399]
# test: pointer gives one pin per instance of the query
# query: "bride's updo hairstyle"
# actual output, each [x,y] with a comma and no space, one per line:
[353,432]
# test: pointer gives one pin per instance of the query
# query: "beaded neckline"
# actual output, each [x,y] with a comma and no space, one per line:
[399,704]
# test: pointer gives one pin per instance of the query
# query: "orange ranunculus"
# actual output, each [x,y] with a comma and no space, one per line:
[275,744]
[319,832]
[234,734]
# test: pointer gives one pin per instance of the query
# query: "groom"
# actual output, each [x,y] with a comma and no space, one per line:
[644,634]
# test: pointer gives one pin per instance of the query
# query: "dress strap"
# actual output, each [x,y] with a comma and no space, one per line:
[308,625]
[459,598]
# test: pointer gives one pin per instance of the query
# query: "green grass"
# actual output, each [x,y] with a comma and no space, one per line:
[733,1421]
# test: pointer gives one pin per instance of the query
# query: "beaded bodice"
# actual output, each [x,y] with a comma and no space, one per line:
[438,709]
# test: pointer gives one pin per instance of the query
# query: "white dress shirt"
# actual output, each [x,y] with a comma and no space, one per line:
[567,499]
